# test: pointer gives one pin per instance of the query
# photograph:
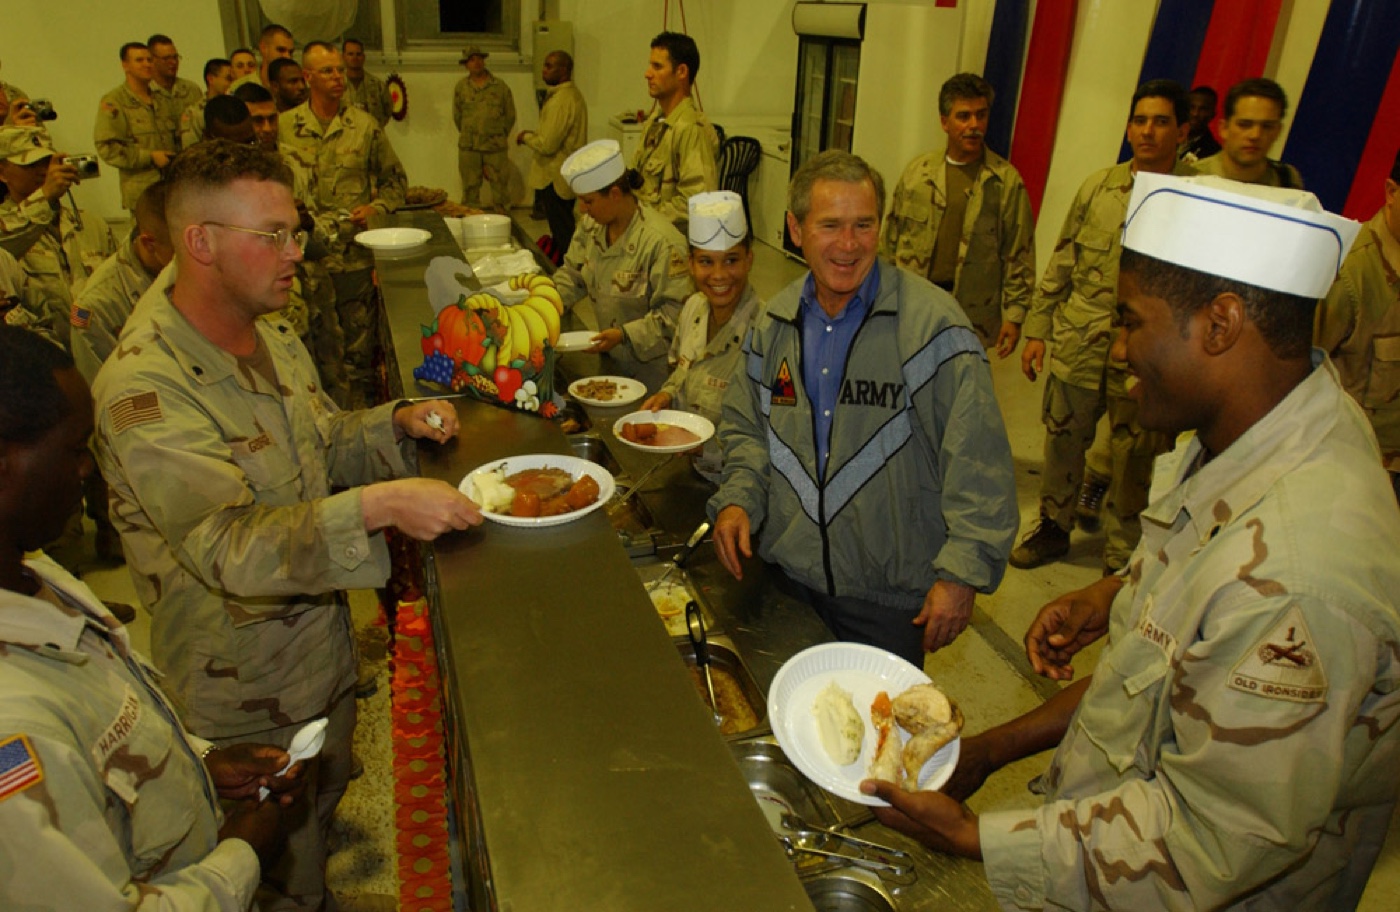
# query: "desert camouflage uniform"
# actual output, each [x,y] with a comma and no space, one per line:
[996,256]
[1074,310]
[350,163]
[128,130]
[1237,747]
[1277,174]
[174,102]
[221,489]
[676,159]
[370,96]
[125,814]
[104,306]
[484,117]
[192,124]
[1358,324]
[57,257]
[637,284]
[701,368]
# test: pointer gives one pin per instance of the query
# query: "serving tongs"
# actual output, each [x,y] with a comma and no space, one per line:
[637,485]
[681,556]
[695,627]
[883,867]
[820,834]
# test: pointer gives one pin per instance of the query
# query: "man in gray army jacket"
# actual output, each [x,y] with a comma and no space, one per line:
[961,218]
[1235,748]
[894,517]
[221,451]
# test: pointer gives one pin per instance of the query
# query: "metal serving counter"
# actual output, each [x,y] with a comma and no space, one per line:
[586,773]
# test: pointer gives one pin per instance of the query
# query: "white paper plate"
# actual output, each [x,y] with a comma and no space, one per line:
[628,391]
[863,671]
[394,241]
[577,341]
[698,425]
[576,467]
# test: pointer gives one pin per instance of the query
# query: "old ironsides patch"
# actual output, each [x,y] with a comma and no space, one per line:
[784,392]
[1283,664]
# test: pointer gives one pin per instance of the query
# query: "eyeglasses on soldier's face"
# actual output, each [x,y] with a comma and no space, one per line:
[280,238]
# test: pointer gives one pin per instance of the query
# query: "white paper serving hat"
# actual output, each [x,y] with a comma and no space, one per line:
[717,220]
[593,166]
[1282,240]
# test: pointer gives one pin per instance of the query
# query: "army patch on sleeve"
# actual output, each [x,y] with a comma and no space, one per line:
[679,265]
[19,767]
[1283,664]
[783,390]
[133,411]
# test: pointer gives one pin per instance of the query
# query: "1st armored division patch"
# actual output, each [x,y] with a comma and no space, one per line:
[1284,664]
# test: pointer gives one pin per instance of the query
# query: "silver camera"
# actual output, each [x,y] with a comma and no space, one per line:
[86,165]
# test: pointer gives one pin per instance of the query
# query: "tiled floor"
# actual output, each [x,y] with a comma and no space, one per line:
[984,669]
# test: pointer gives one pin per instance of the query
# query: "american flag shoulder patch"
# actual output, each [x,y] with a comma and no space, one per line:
[19,767]
[79,317]
[142,408]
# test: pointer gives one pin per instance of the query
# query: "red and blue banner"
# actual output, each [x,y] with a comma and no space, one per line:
[1042,91]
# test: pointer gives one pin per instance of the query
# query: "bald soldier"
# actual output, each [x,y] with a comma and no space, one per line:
[354,171]
[1236,746]
[221,452]
[562,131]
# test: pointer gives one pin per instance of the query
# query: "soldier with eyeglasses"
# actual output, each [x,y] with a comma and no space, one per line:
[221,450]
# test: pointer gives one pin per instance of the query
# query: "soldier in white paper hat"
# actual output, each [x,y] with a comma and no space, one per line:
[710,332]
[628,259]
[1235,746]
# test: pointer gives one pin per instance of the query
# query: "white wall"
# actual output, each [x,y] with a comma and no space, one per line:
[67,52]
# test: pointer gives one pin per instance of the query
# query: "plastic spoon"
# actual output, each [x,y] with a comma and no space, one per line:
[306,743]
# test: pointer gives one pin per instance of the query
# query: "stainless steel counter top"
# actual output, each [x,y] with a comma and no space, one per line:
[586,773]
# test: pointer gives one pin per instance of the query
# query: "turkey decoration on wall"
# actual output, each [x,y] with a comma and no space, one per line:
[398,96]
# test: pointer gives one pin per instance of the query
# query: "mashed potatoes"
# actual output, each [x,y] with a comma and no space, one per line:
[841,728]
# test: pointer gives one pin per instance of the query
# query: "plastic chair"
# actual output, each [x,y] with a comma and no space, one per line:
[738,159]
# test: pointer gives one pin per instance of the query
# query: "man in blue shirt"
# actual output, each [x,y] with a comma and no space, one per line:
[864,444]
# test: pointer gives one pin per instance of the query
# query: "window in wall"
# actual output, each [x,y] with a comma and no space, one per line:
[454,22]
[422,24]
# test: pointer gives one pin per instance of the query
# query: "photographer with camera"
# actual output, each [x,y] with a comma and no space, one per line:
[53,247]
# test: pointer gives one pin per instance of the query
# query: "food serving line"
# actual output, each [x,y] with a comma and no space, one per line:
[585,771]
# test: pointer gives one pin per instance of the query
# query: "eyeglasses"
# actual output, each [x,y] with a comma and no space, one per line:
[331,71]
[279,238]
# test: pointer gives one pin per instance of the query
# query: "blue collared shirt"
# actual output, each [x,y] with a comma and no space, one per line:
[826,343]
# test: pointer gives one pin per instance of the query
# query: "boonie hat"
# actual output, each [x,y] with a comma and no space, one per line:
[594,166]
[1282,240]
[24,145]
[473,51]
[717,220]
